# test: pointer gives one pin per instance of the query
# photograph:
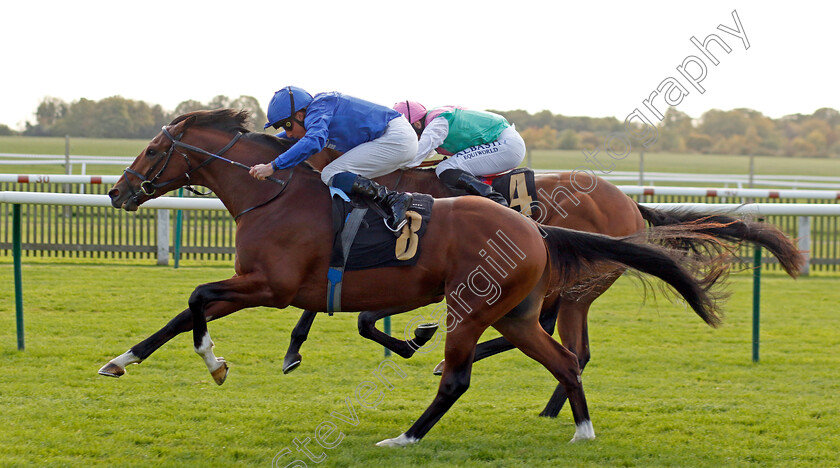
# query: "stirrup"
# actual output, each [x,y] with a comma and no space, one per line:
[398,229]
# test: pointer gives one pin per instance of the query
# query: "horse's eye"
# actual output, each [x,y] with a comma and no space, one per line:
[150,153]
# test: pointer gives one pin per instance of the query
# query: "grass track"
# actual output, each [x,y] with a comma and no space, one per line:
[663,388]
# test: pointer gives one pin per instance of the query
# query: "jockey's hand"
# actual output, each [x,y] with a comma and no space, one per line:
[261,171]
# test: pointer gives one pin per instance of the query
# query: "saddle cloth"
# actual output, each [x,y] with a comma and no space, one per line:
[517,186]
[362,240]
[376,246]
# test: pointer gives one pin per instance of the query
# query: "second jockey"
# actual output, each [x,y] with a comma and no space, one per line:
[478,143]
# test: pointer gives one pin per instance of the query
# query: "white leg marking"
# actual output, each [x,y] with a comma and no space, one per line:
[116,367]
[583,431]
[205,350]
[400,441]
[125,359]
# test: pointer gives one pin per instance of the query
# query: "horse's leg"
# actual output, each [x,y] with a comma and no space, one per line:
[246,291]
[572,323]
[299,334]
[460,348]
[404,348]
[459,353]
[532,340]
[180,324]
[548,317]
[367,328]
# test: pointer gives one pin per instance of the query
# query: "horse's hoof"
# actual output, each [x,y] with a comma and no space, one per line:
[400,441]
[425,331]
[291,362]
[438,370]
[111,370]
[220,374]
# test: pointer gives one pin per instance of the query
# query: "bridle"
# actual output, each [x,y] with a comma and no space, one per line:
[149,184]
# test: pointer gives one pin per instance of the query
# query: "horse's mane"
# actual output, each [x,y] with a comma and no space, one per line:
[226,120]
[235,121]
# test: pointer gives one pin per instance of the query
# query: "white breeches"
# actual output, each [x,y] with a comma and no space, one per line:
[504,154]
[392,151]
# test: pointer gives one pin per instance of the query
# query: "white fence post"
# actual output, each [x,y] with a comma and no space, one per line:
[163,237]
[68,169]
[804,243]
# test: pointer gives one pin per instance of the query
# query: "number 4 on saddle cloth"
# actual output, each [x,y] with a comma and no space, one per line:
[362,240]
[517,186]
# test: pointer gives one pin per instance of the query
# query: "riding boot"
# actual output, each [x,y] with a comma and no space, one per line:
[458,179]
[395,203]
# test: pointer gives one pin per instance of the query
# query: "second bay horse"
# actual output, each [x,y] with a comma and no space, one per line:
[573,200]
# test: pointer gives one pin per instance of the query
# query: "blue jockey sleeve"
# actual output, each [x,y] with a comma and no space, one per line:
[317,122]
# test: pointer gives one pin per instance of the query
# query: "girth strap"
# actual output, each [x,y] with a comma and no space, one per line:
[335,274]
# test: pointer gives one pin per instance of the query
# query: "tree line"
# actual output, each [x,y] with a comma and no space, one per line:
[737,131]
[117,117]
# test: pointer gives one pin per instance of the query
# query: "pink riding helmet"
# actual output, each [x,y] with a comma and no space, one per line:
[411,110]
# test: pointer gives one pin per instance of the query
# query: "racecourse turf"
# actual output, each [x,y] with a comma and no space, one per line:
[663,388]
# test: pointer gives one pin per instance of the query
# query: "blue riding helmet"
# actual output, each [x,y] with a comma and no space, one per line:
[285,103]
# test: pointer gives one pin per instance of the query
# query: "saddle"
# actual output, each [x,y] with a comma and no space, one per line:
[517,186]
[362,240]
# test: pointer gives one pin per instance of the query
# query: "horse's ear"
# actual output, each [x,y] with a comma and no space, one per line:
[183,125]
[188,122]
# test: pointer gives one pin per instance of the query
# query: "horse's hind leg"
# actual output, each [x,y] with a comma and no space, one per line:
[563,364]
[574,335]
[403,348]
[460,348]
[367,328]
[498,345]
[482,350]
[501,344]
[572,324]
[299,334]
[179,324]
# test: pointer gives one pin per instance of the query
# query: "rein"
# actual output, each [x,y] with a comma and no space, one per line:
[148,186]
[283,183]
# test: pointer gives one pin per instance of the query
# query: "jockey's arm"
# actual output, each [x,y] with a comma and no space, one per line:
[433,136]
[317,133]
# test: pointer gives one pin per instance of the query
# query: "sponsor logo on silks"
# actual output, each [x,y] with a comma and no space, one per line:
[329,145]
[480,150]
[477,153]
[482,147]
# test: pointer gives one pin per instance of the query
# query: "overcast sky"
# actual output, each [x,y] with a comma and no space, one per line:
[572,58]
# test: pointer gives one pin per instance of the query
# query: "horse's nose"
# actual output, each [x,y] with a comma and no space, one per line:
[114,193]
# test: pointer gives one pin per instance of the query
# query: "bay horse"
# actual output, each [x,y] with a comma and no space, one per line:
[573,200]
[283,242]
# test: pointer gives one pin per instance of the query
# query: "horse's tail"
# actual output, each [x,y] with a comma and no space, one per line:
[733,230]
[574,252]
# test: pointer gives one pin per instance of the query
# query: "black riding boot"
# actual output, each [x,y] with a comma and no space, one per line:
[395,203]
[458,179]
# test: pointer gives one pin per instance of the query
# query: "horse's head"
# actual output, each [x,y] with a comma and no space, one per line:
[168,161]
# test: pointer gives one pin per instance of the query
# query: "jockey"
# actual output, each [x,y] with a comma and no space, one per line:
[478,143]
[374,140]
